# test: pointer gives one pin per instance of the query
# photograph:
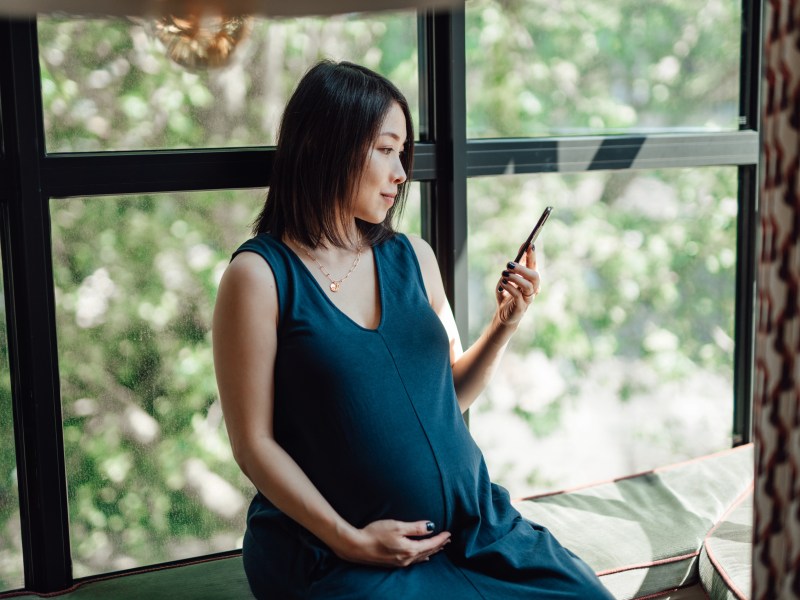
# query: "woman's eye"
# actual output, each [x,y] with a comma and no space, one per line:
[386,151]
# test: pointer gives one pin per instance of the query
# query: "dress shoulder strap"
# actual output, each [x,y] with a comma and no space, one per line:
[401,261]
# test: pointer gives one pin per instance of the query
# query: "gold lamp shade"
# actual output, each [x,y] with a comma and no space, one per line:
[202,41]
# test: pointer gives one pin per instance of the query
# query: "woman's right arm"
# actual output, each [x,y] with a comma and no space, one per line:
[245,344]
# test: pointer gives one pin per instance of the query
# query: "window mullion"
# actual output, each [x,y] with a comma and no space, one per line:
[443,122]
[609,152]
[33,357]
[747,233]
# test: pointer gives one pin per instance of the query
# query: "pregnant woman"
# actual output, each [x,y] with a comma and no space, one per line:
[343,381]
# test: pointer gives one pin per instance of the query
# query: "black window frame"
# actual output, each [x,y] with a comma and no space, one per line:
[30,178]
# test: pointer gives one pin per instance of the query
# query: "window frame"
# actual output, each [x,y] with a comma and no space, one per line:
[445,159]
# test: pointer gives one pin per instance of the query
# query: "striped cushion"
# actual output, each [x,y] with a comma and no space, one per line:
[726,558]
[643,534]
[205,579]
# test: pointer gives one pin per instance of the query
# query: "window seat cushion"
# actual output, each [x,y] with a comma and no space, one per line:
[727,554]
[644,534]
[208,579]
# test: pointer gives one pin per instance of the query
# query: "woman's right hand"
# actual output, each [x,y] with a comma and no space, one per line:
[389,543]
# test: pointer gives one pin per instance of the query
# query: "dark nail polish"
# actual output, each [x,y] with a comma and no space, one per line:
[505,273]
[429,526]
[505,281]
[511,265]
[499,288]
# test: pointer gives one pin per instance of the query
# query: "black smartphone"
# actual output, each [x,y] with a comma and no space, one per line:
[534,233]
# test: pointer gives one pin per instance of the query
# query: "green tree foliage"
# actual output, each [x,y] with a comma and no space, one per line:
[10,540]
[632,255]
[639,267]
[539,66]
[149,467]
[109,85]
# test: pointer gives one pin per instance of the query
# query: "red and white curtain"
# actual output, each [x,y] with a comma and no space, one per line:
[776,550]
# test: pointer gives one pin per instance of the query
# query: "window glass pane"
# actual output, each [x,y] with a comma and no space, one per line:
[545,68]
[411,218]
[11,569]
[626,360]
[150,474]
[110,85]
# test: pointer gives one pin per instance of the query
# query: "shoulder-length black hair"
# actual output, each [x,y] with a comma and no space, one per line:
[328,126]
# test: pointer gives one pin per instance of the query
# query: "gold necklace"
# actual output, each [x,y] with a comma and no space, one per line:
[335,283]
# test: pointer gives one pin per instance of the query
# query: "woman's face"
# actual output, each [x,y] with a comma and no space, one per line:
[383,171]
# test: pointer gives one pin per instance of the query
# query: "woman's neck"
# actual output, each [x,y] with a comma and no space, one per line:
[328,250]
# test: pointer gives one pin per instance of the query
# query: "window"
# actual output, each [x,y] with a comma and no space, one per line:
[629,359]
[635,121]
[149,469]
[544,68]
[10,536]
[112,84]
[150,473]
[626,362]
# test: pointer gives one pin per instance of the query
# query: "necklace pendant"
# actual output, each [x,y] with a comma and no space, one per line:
[334,286]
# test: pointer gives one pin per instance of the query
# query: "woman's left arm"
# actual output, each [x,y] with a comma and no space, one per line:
[516,289]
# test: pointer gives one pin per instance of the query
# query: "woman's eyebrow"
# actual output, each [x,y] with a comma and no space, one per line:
[391,134]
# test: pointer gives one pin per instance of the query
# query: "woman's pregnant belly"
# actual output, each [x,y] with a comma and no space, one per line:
[379,470]
[370,429]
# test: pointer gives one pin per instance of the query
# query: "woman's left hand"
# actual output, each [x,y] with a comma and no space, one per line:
[517,288]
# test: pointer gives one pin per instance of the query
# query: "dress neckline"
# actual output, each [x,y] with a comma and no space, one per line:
[378,273]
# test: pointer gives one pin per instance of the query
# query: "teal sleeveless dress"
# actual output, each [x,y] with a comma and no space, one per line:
[372,418]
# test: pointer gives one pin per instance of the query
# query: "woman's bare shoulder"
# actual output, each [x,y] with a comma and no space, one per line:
[424,252]
[429,267]
[248,284]
[249,267]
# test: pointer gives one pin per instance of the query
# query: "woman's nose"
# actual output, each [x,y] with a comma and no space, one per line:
[399,173]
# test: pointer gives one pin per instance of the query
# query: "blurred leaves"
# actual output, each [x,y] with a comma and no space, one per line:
[150,473]
[638,298]
[538,67]
[109,85]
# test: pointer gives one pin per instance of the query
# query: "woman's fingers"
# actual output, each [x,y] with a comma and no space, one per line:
[417,527]
[524,276]
[397,543]
[431,543]
[430,546]
[526,286]
[419,550]
[530,257]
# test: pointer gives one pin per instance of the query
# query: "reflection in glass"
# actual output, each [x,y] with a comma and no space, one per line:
[108,84]
[150,473]
[549,68]
[204,41]
[11,569]
[626,360]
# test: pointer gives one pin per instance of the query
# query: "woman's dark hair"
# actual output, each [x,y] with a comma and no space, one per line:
[329,125]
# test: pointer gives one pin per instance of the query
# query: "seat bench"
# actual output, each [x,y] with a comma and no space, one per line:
[650,534]
[677,532]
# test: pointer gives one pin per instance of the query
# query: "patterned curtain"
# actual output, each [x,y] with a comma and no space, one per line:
[776,551]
